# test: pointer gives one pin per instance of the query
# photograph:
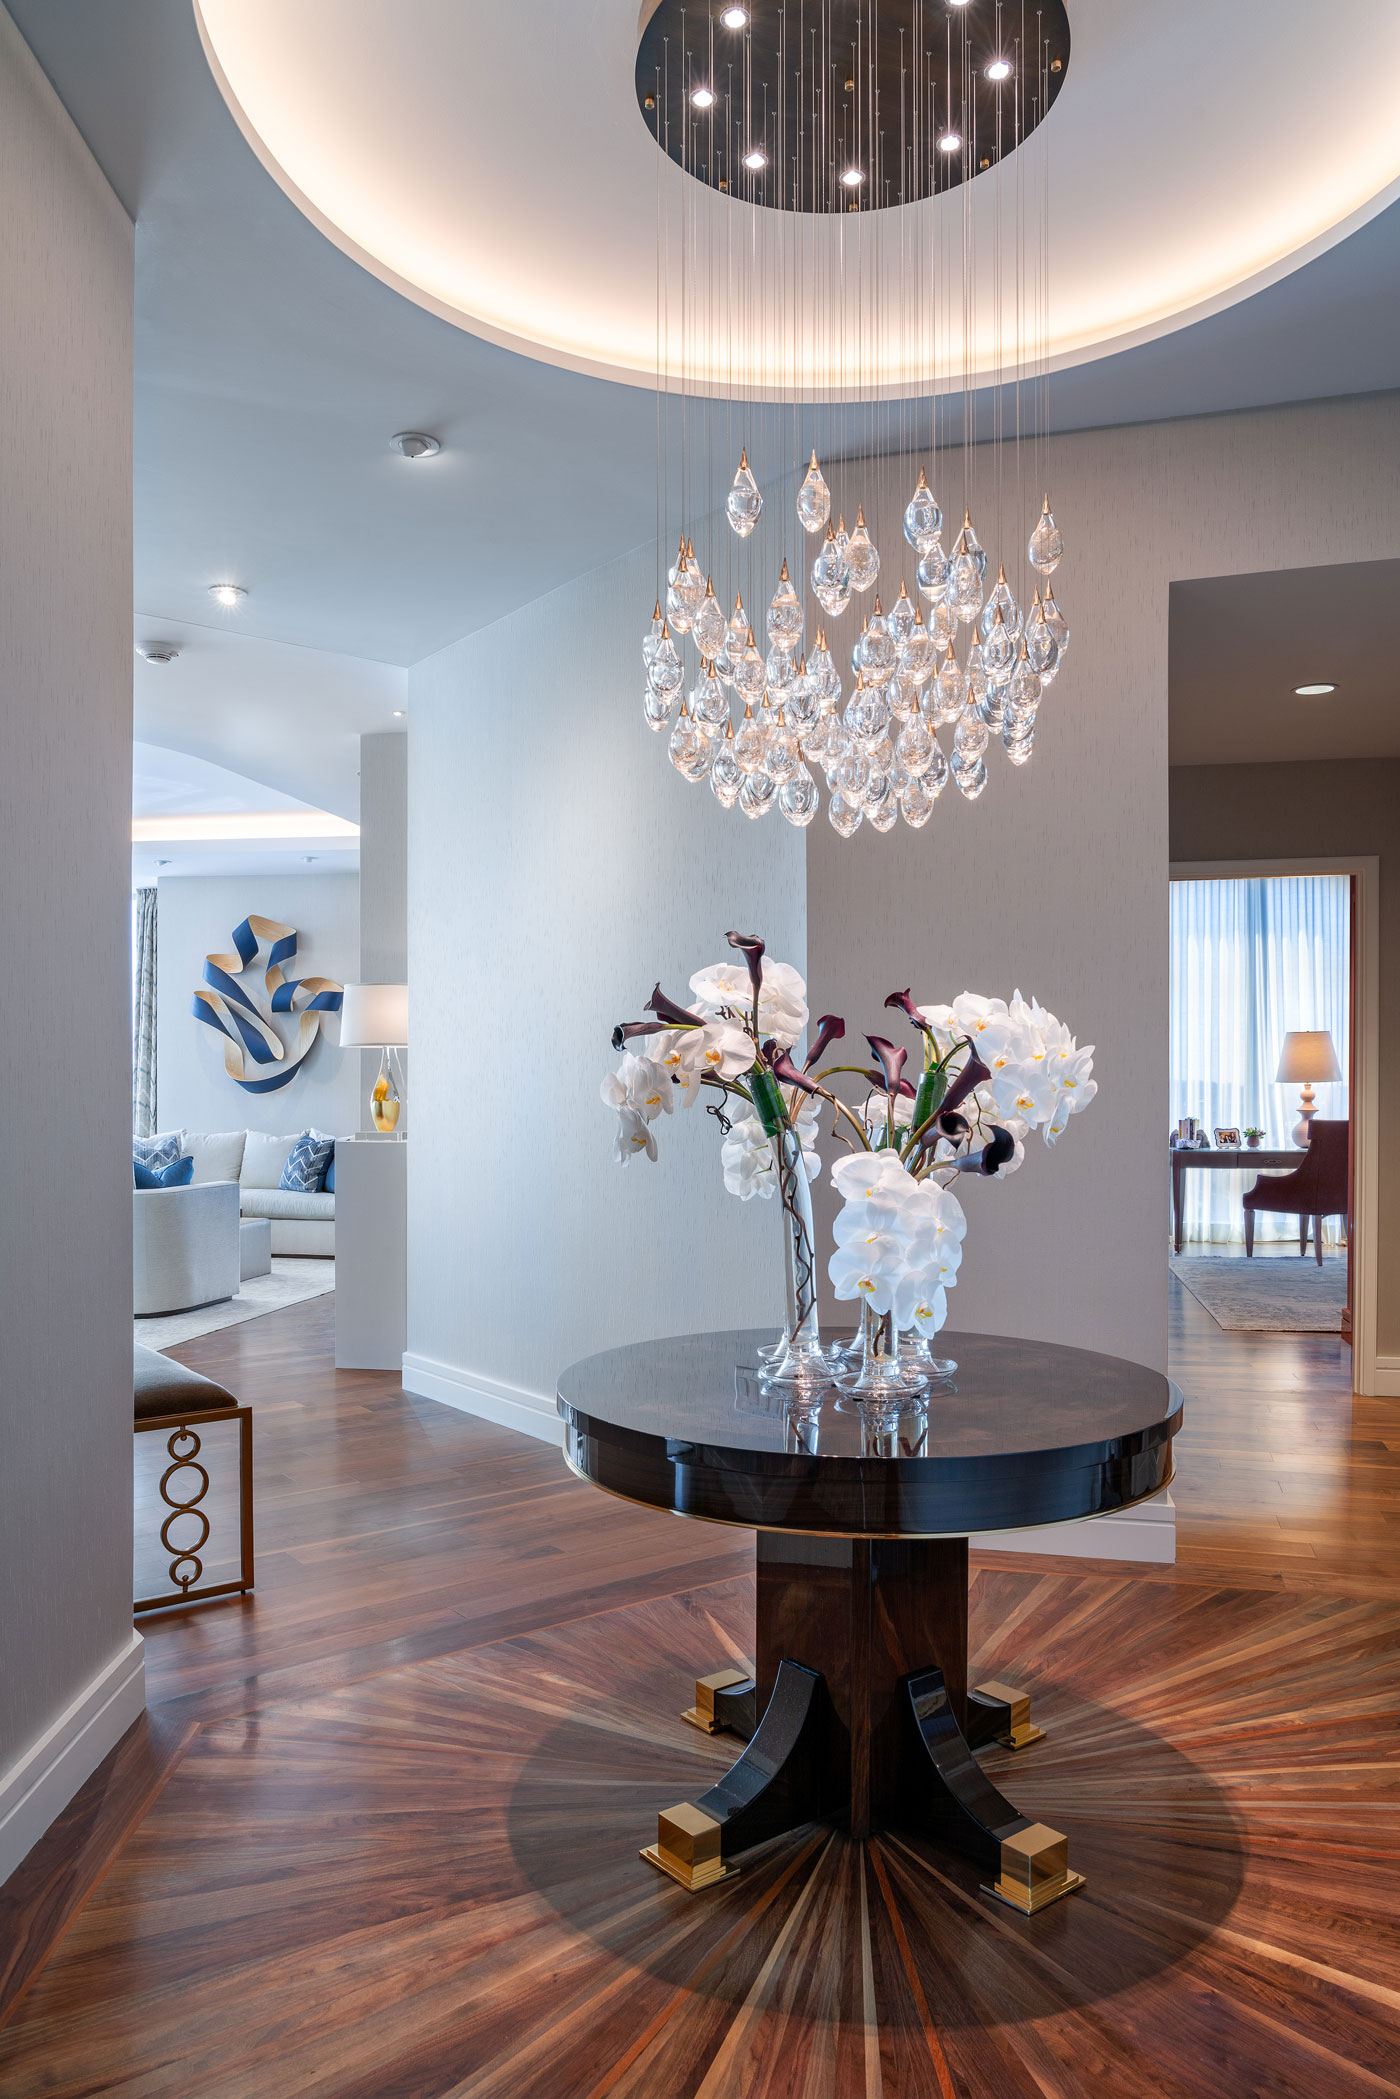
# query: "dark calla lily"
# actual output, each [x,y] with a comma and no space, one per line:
[780,1063]
[890,1059]
[880,1084]
[970,1077]
[672,1015]
[830,1028]
[752,949]
[627,1030]
[993,1156]
[902,1000]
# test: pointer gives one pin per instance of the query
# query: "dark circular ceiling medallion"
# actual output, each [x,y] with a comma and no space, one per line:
[847,105]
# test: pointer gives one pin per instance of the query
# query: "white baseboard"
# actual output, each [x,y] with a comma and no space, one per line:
[1146,1533]
[36,1789]
[509,1406]
[1385,1384]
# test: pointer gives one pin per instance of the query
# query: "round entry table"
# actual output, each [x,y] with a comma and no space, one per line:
[859,1709]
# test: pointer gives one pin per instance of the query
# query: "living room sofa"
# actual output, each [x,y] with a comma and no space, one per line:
[301,1224]
[184,1247]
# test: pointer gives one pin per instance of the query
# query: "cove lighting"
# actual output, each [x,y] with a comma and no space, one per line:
[755,159]
[1313,692]
[229,594]
[734,17]
[290,823]
[999,69]
[852,177]
[702,97]
[950,142]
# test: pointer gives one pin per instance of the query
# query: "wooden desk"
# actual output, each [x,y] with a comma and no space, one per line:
[1222,1159]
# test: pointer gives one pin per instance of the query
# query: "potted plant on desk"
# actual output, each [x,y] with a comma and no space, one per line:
[1253,1138]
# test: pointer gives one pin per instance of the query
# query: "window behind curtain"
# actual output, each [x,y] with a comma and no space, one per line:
[1251,959]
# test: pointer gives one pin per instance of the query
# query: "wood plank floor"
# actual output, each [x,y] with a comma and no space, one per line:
[378,1834]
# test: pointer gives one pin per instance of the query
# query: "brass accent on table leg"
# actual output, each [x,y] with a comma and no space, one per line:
[687,1847]
[702,1713]
[1018,1733]
[1035,1869]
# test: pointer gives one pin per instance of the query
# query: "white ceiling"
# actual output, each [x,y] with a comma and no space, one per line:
[1240,644]
[168,783]
[519,198]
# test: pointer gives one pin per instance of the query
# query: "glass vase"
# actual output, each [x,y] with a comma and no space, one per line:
[919,1363]
[801,1359]
[881,1379]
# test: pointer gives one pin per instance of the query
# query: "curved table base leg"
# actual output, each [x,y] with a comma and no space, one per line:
[781,1781]
[953,1800]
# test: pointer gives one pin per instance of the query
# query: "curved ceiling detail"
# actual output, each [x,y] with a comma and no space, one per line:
[490,163]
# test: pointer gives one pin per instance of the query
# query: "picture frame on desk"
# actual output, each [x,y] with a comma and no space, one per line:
[1227,1140]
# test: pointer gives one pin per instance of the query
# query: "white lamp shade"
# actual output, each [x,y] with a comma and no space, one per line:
[1308,1058]
[374,1016]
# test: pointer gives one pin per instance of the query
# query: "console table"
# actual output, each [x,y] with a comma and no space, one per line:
[859,1710]
[1223,1158]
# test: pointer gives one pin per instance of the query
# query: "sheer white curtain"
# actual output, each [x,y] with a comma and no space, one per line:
[1250,960]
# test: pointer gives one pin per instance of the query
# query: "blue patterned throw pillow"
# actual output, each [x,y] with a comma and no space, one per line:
[160,1150]
[176,1173]
[305,1170]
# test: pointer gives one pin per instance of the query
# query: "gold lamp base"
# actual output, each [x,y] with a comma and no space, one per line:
[1035,1870]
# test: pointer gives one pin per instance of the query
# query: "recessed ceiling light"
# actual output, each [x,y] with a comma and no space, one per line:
[229,594]
[702,97]
[999,69]
[1313,692]
[950,142]
[399,713]
[755,159]
[162,863]
[734,17]
[415,444]
[157,651]
[853,177]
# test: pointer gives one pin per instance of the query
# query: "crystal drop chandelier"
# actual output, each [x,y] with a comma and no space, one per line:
[852,301]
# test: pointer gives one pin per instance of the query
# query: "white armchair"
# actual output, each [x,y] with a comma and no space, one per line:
[185,1246]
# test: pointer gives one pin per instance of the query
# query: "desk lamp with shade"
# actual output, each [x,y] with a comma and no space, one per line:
[375,1016]
[1308,1057]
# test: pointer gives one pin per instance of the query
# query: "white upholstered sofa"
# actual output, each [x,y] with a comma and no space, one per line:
[184,1247]
[301,1224]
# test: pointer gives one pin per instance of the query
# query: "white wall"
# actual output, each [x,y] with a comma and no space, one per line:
[1056,878]
[70,1672]
[196,917]
[383,891]
[558,867]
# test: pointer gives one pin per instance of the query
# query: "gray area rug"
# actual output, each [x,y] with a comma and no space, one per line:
[293,1278]
[1275,1294]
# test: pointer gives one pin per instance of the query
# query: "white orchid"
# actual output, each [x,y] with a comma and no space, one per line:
[930,1310]
[857,1176]
[871,1268]
[782,1001]
[720,1049]
[747,1156]
[633,1135]
[638,1083]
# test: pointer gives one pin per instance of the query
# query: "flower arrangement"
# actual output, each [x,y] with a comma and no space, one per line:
[989,1073]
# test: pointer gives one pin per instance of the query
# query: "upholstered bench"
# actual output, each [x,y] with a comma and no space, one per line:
[176,1402]
[254,1248]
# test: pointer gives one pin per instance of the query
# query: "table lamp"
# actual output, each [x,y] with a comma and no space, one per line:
[375,1016]
[1308,1056]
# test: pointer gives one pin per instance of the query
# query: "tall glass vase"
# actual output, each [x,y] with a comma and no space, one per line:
[881,1378]
[800,1360]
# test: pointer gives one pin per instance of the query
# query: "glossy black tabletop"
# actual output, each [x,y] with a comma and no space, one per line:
[1025,1433]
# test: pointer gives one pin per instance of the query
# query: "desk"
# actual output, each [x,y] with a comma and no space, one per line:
[1222,1159]
[859,1710]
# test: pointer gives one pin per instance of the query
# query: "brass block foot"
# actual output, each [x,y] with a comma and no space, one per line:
[1035,1870]
[687,1848]
[702,1713]
[1018,1733]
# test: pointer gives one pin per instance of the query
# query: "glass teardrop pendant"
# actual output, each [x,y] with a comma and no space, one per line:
[813,499]
[678,592]
[749,674]
[657,708]
[1046,545]
[916,804]
[1041,646]
[726,774]
[758,794]
[799,798]
[831,575]
[1055,620]
[931,576]
[844,814]
[862,555]
[923,520]
[950,692]
[998,644]
[709,625]
[744,502]
[750,743]
[902,615]
[709,706]
[916,657]
[785,613]
[665,674]
[999,599]
[652,641]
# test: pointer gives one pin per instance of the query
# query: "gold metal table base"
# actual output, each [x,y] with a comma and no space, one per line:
[702,1713]
[1019,1733]
[1035,1870]
[687,1847]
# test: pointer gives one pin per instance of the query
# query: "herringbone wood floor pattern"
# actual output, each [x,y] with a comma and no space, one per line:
[379,1835]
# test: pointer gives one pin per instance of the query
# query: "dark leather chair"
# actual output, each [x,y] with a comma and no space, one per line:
[1316,1188]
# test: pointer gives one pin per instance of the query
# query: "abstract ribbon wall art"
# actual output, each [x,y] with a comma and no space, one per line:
[247,1032]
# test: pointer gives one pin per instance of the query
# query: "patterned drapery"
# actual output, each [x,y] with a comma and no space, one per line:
[143,1013]
[1251,958]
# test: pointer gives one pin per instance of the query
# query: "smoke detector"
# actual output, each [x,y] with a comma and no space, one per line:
[414,444]
[157,651]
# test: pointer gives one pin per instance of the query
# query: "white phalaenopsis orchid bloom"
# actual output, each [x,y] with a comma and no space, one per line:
[930,1310]
[782,1002]
[857,1176]
[747,1156]
[633,1135]
[638,1083]
[871,1268]
[720,1049]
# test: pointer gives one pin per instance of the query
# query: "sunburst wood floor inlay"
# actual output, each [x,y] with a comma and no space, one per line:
[426,1884]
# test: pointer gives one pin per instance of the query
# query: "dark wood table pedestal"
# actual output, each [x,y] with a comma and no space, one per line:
[867,1719]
